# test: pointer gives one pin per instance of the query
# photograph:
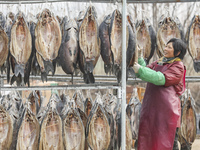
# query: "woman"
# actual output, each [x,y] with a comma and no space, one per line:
[160,112]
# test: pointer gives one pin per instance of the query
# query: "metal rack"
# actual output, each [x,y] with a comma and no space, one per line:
[95,1]
[110,81]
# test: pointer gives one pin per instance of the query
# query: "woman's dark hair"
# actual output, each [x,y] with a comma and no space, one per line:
[179,46]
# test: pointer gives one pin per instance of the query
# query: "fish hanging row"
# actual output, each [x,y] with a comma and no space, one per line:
[76,44]
[64,123]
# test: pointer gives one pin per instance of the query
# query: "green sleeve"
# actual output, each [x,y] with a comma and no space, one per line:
[149,75]
[141,61]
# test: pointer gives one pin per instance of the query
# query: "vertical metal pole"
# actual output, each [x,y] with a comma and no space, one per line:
[123,109]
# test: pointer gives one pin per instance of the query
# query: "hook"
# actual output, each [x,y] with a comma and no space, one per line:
[19,6]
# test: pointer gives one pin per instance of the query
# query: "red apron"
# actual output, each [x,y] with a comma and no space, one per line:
[159,116]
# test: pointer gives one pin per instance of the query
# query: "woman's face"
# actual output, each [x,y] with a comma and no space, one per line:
[169,50]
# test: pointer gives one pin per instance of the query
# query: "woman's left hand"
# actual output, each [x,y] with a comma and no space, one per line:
[136,67]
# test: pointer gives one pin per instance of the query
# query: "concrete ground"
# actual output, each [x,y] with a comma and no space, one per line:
[196,144]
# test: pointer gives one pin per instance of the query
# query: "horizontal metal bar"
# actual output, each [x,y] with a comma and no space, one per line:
[61,87]
[100,78]
[94,1]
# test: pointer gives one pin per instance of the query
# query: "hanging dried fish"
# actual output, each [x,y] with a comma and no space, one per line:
[84,121]
[116,42]
[79,100]
[188,128]
[51,128]
[133,113]
[98,129]
[146,38]
[106,52]
[14,106]
[88,103]
[130,50]
[47,42]
[8,26]
[73,130]
[35,68]
[33,100]
[132,43]
[6,127]
[117,135]
[193,41]
[61,102]
[29,130]
[62,25]
[108,103]
[20,49]
[169,27]
[4,43]
[68,52]
[89,44]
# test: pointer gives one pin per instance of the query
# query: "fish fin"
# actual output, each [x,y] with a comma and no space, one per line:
[72,78]
[19,70]
[44,76]
[85,77]
[18,80]
[91,77]
[197,66]
[48,67]
[131,72]
[8,69]
[54,66]
[108,68]
[89,66]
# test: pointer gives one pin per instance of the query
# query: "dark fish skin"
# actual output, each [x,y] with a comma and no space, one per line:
[106,52]
[192,41]
[117,135]
[130,49]
[68,52]
[61,103]
[146,38]
[35,68]
[84,121]
[89,44]
[8,26]
[116,42]
[133,113]
[62,24]
[34,105]
[169,27]
[88,106]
